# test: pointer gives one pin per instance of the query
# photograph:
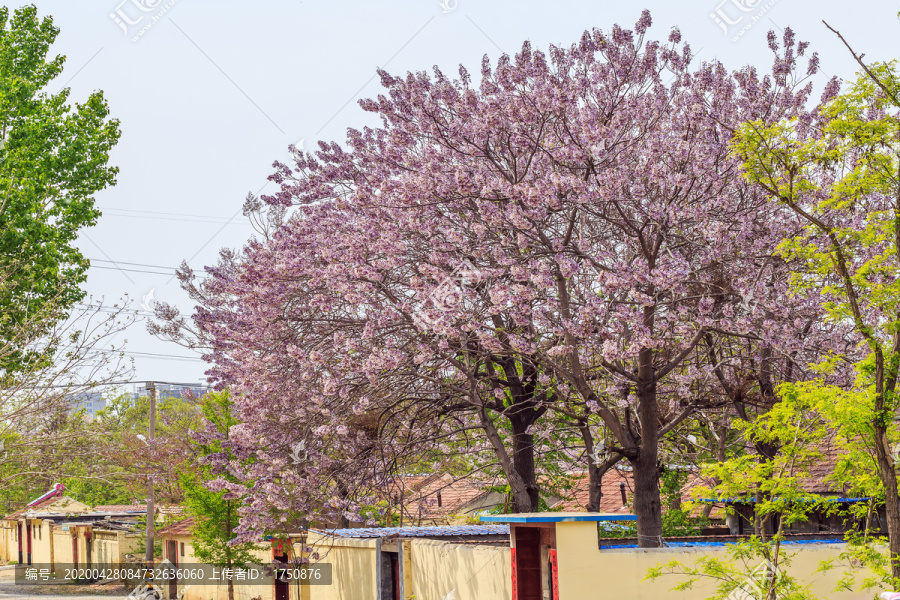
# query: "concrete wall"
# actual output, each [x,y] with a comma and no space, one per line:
[8,545]
[62,547]
[110,547]
[213,592]
[587,573]
[353,568]
[478,572]
[41,550]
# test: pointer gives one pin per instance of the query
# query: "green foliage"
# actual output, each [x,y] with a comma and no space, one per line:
[775,486]
[53,159]
[216,516]
[835,180]
[753,569]
[841,177]
[677,521]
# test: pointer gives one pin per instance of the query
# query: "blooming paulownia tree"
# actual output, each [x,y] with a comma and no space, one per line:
[560,238]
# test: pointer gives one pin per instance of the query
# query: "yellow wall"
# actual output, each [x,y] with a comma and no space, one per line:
[478,572]
[40,542]
[214,592]
[9,550]
[62,547]
[352,568]
[588,573]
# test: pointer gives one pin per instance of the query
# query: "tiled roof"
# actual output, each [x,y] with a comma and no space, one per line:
[610,503]
[817,482]
[182,527]
[121,508]
[442,495]
[434,531]
[42,506]
[170,509]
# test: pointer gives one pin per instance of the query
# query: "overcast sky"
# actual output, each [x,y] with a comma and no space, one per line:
[210,93]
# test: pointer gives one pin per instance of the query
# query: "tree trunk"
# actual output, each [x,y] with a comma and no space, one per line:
[646,469]
[523,463]
[596,472]
[518,487]
[888,475]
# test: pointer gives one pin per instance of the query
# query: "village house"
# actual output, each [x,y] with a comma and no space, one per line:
[55,530]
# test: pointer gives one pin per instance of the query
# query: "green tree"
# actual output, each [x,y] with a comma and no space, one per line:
[840,175]
[53,159]
[215,514]
[755,567]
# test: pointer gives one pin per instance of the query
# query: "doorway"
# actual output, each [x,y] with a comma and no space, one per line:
[282,588]
[528,563]
[29,531]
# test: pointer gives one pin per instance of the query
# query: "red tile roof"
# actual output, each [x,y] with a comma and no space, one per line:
[182,527]
[121,508]
[455,495]
[611,502]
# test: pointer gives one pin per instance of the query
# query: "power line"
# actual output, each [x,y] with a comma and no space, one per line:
[155,355]
[116,267]
[141,213]
[131,270]
[110,309]
[122,262]
[180,220]
[94,385]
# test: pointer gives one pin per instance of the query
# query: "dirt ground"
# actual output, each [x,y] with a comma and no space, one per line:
[9,590]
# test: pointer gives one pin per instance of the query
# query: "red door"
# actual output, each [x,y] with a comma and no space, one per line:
[28,533]
[282,588]
[528,563]
[19,537]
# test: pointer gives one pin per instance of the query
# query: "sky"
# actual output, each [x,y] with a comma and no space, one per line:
[209,94]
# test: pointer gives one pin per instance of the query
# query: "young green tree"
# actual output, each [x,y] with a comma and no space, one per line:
[840,176]
[215,513]
[53,159]
[755,568]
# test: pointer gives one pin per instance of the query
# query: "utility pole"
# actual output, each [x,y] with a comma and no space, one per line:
[151,387]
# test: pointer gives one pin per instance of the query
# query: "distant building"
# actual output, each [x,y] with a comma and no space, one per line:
[171,390]
[90,402]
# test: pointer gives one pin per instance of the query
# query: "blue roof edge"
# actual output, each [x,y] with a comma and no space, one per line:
[549,518]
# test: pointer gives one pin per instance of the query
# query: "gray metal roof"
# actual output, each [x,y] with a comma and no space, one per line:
[428,531]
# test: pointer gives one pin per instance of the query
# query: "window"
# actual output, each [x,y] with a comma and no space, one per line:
[182,548]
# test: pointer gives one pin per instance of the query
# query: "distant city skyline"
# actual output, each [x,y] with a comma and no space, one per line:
[92,402]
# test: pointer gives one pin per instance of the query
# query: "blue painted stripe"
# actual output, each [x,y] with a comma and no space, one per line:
[550,518]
